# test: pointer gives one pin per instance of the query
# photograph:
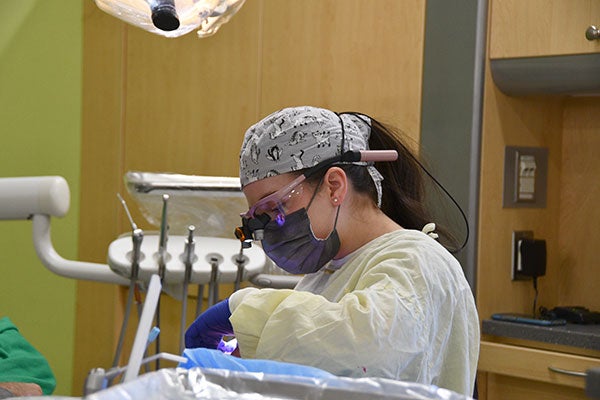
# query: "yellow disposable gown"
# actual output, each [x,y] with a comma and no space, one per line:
[399,308]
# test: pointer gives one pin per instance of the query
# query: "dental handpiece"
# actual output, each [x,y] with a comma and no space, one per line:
[188,261]
[213,293]
[162,263]
[162,241]
[239,260]
[137,236]
[189,251]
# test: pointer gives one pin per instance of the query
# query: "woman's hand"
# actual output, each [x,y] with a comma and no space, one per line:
[208,329]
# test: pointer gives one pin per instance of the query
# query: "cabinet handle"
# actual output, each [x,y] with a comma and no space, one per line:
[592,33]
[567,372]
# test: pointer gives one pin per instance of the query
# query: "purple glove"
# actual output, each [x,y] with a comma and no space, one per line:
[208,329]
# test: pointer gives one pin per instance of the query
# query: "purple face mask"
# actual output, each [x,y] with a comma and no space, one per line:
[294,247]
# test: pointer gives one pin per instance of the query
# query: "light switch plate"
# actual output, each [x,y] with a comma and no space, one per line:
[514,158]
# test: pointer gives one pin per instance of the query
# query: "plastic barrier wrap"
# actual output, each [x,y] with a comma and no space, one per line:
[212,204]
[198,383]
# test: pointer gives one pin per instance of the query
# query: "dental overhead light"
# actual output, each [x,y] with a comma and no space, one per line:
[173,18]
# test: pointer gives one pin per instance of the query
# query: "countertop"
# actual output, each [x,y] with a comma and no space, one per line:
[575,335]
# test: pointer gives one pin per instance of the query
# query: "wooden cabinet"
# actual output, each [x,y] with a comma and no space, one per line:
[509,371]
[539,47]
[534,28]
[526,32]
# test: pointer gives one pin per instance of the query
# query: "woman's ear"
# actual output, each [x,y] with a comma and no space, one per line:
[336,185]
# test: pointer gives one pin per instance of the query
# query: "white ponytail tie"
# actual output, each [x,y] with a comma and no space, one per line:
[429,230]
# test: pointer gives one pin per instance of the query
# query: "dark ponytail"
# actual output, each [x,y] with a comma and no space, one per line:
[403,197]
[403,186]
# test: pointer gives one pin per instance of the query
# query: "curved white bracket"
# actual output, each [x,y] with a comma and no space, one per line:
[67,268]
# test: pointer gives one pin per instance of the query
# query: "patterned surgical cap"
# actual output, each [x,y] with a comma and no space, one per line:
[300,137]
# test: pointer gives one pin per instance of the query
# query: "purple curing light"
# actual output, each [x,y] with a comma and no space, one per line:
[227,346]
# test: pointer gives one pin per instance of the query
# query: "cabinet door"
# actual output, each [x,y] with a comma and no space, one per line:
[534,364]
[517,372]
[501,387]
[542,27]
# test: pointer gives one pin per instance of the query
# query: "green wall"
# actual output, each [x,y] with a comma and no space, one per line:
[40,123]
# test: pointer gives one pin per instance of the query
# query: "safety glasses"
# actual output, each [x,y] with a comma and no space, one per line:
[275,205]
[270,208]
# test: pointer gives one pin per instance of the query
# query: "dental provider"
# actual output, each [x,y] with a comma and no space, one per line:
[380,298]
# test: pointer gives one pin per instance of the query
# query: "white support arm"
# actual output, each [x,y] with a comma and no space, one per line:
[67,268]
[22,197]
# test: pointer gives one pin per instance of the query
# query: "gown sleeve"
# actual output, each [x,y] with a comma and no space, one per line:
[378,325]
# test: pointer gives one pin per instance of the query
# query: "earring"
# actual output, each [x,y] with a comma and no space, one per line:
[335,200]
